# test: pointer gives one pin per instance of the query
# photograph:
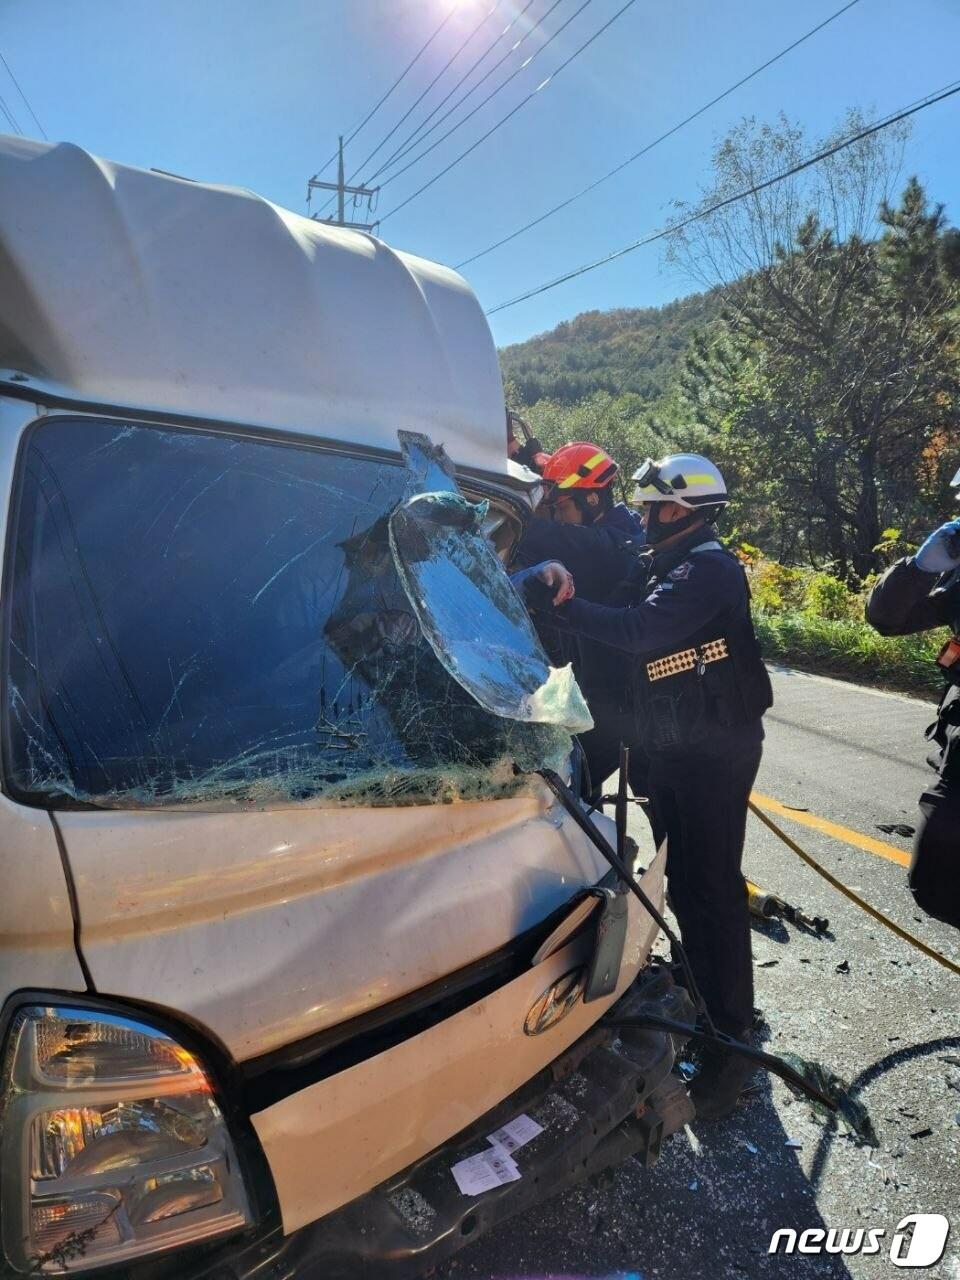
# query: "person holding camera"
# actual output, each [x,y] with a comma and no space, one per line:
[915,594]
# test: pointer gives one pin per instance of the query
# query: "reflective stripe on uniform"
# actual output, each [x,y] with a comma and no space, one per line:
[688,481]
[675,664]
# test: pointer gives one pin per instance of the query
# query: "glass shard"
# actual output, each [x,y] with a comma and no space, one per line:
[467,608]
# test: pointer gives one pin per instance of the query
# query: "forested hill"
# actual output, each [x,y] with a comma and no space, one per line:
[632,349]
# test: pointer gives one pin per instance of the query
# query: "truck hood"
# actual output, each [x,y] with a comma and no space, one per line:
[266,927]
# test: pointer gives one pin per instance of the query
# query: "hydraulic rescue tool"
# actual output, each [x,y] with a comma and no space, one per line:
[768,906]
[703,1030]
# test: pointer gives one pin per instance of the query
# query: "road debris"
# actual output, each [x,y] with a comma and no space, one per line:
[414,1210]
[851,1113]
[896,828]
[843,966]
[922,1133]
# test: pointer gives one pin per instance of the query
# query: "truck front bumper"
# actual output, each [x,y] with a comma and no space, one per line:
[610,1095]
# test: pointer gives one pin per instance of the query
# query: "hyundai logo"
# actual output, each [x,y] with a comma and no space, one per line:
[555,1003]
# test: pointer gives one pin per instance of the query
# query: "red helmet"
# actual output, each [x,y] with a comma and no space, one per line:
[580,466]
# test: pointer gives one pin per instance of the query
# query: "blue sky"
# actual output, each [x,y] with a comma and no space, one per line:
[254,94]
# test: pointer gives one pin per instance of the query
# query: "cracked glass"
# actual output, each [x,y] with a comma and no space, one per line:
[203,618]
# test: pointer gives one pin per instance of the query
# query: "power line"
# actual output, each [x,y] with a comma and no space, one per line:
[493,93]
[656,142]
[416,104]
[920,105]
[23,96]
[510,114]
[341,191]
[11,118]
[403,74]
[418,135]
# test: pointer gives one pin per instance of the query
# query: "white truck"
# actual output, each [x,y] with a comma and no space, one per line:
[289,925]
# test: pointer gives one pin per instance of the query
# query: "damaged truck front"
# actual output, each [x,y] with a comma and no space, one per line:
[291,928]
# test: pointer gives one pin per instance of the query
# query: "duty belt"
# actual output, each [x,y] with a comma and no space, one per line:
[674,664]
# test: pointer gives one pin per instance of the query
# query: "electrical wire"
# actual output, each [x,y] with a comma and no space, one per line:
[920,105]
[26,102]
[656,142]
[443,70]
[403,74]
[510,114]
[415,138]
[493,93]
[11,118]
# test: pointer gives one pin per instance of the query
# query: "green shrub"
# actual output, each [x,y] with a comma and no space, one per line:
[827,597]
[776,586]
[847,647]
[808,618]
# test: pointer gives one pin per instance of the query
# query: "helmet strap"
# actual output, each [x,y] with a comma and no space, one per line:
[589,510]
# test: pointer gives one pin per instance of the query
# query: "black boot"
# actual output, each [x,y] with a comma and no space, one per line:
[723,1077]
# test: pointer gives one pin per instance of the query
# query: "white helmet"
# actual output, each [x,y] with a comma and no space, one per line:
[685,478]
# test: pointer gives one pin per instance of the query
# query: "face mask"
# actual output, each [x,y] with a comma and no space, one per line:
[657,530]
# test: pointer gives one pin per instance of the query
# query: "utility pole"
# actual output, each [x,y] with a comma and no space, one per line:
[342,190]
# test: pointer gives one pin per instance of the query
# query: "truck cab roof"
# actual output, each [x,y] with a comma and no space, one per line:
[136,289]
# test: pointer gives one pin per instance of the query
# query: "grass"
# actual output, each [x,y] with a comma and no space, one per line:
[850,648]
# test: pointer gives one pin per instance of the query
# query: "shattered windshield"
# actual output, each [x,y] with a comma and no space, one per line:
[207,618]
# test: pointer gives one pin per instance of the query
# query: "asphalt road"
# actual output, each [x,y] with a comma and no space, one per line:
[840,760]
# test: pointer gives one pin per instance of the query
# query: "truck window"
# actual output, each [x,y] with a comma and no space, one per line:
[202,617]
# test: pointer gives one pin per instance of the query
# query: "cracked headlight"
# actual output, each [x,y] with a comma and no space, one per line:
[112,1145]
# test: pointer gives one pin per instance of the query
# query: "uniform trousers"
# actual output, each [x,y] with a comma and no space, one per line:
[699,797]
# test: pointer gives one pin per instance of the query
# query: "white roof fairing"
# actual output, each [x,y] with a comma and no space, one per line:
[141,290]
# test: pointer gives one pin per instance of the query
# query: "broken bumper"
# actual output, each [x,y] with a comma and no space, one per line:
[609,1096]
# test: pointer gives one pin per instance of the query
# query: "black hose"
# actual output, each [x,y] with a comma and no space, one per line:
[766,1060]
[707,1034]
[570,803]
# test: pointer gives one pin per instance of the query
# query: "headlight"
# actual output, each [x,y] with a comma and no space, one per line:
[112,1144]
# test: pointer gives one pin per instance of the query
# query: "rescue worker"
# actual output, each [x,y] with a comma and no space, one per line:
[915,594]
[700,689]
[582,526]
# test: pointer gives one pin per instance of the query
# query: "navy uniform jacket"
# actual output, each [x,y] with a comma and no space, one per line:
[904,600]
[601,557]
[596,554]
[699,583]
[694,666]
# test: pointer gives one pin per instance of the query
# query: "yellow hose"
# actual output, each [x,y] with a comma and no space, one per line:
[854,897]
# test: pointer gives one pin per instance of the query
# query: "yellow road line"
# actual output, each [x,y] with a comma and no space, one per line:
[846,834]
